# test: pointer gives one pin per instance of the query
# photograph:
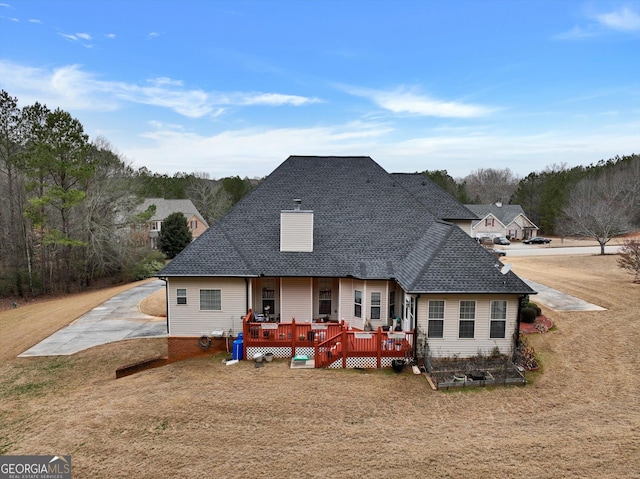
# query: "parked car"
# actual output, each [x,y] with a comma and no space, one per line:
[537,240]
[501,240]
[497,252]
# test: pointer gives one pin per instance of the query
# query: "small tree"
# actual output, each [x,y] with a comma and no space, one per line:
[630,258]
[174,235]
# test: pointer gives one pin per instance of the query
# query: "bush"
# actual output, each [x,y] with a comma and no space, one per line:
[528,315]
[150,265]
[533,305]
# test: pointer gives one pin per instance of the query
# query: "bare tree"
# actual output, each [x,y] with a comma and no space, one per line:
[599,208]
[630,258]
[487,185]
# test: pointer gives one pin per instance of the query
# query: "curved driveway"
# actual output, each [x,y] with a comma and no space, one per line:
[116,319]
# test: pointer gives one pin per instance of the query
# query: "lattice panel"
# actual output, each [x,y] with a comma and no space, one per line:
[362,362]
[277,352]
[386,362]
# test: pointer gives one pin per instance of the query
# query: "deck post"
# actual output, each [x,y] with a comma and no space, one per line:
[294,335]
[345,345]
[379,347]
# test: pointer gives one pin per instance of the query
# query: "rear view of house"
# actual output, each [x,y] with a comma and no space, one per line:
[333,239]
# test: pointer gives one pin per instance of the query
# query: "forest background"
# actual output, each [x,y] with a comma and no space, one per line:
[69,216]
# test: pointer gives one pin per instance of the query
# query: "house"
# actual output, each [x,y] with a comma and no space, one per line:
[340,239]
[502,220]
[163,208]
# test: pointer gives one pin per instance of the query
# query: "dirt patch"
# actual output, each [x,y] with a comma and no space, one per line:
[578,417]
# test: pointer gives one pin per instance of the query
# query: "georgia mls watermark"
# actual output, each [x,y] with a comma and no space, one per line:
[35,467]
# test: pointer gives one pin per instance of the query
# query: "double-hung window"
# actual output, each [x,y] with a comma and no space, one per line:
[181,296]
[467,324]
[435,326]
[324,303]
[498,326]
[375,305]
[210,300]
[357,300]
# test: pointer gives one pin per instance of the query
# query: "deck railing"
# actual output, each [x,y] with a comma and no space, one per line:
[328,343]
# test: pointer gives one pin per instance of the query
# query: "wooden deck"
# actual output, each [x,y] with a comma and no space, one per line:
[329,345]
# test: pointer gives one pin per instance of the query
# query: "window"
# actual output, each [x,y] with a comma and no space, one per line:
[156,225]
[357,310]
[181,296]
[488,222]
[268,300]
[466,328]
[324,305]
[498,327]
[375,305]
[210,300]
[435,326]
[194,224]
[392,304]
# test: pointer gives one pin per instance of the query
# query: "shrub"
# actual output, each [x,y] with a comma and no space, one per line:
[528,315]
[533,305]
[150,265]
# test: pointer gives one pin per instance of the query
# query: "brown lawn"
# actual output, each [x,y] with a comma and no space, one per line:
[578,418]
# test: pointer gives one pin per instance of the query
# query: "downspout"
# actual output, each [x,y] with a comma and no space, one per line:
[516,334]
[166,299]
[246,293]
[415,331]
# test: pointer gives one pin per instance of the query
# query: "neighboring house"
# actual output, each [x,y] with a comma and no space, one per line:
[502,220]
[195,221]
[339,238]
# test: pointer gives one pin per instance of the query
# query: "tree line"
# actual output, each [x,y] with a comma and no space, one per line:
[598,201]
[69,211]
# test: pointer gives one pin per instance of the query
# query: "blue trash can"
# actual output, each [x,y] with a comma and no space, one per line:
[238,348]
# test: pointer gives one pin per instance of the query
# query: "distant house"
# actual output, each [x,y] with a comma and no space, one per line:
[332,239]
[163,208]
[502,220]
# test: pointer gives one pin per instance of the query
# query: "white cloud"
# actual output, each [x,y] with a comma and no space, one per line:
[70,87]
[84,36]
[249,152]
[403,101]
[276,99]
[257,151]
[35,20]
[624,20]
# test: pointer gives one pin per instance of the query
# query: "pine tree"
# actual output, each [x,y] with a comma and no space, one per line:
[174,235]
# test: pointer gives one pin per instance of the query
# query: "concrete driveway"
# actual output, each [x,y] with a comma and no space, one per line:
[114,320]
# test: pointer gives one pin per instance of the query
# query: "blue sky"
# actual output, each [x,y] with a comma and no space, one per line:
[234,87]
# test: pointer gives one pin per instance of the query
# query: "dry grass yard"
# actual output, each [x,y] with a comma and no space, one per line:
[577,418]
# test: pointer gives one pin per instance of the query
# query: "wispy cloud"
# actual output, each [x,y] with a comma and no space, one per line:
[408,101]
[35,20]
[623,20]
[151,35]
[71,87]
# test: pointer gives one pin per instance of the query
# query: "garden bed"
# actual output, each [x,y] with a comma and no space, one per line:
[473,372]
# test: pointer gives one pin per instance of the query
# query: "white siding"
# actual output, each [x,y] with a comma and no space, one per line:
[296,231]
[464,225]
[297,299]
[188,320]
[450,344]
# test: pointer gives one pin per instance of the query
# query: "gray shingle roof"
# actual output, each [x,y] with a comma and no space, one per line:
[440,203]
[505,213]
[165,207]
[366,225]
